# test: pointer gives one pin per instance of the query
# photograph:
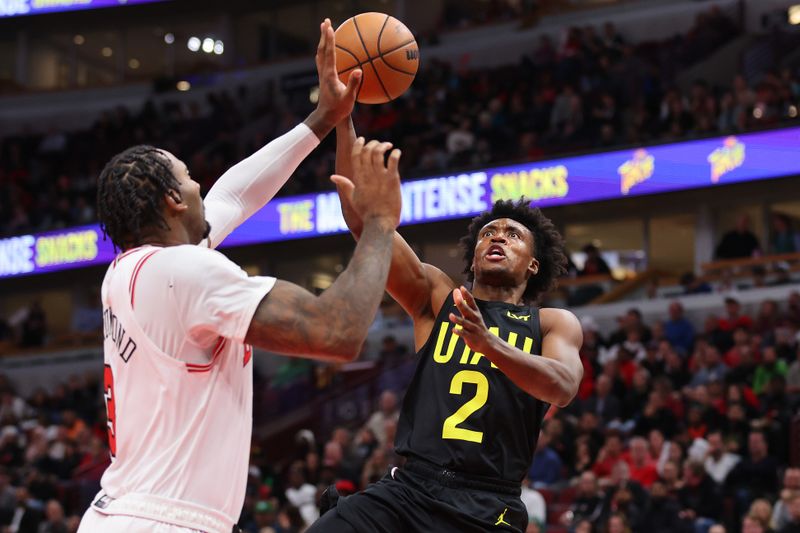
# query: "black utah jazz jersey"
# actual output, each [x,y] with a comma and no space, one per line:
[460,411]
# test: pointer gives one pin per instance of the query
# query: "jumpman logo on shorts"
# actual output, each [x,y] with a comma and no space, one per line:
[501,520]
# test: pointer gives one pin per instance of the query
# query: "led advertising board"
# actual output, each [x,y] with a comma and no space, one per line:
[16,8]
[618,174]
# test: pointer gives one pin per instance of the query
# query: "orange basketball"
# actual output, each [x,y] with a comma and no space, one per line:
[384,49]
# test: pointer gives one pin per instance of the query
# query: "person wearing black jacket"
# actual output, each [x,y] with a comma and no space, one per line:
[699,498]
[793,526]
[662,512]
[756,475]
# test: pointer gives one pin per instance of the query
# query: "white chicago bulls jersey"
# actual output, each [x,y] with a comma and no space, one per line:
[178,376]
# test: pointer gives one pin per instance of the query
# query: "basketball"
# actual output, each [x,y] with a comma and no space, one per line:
[384,49]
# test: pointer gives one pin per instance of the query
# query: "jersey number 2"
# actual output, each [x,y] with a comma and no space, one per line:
[450,430]
[111,415]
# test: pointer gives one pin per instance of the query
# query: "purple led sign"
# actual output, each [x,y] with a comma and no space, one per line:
[652,170]
[16,8]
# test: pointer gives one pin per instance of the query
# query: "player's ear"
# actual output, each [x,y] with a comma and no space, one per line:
[174,202]
[533,267]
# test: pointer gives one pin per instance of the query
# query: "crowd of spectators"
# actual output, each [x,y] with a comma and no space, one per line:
[677,427]
[593,89]
[52,454]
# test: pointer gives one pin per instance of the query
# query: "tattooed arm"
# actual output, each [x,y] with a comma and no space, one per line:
[418,287]
[334,325]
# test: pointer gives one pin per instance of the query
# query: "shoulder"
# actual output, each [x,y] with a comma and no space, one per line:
[561,320]
[191,255]
[190,261]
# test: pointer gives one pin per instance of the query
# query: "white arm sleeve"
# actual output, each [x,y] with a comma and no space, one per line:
[247,186]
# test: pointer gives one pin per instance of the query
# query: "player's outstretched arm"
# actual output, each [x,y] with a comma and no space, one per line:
[334,325]
[554,377]
[418,287]
[250,184]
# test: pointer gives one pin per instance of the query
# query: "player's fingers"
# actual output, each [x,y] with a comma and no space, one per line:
[469,298]
[366,157]
[379,153]
[330,44]
[457,296]
[354,83]
[454,318]
[355,156]
[344,186]
[466,311]
[394,161]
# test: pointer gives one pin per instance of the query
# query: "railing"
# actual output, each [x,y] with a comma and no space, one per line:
[744,267]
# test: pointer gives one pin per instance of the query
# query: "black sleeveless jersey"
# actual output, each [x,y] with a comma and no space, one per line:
[460,411]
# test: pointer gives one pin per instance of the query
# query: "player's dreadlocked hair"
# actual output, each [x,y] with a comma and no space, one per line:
[548,246]
[130,194]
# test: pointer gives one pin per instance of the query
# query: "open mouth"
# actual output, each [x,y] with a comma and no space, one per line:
[495,253]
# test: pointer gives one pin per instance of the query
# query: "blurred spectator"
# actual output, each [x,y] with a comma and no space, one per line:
[719,462]
[534,504]
[699,497]
[756,475]
[739,242]
[631,321]
[588,503]
[709,366]
[793,523]
[791,486]
[642,467]
[609,456]
[54,519]
[767,320]
[671,476]
[751,524]
[783,239]
[264,517]
[301,494]
[662,512]
[761,512]
[678,330]
[769,367]
[734,317]
[602,402]
[793,376]
[375,467]
[594,263]
[25,517]
[546,466]
[34,327]
[388,411]
[625,496]
[693,285]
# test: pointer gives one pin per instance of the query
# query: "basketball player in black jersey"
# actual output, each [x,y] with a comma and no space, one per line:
[490,363]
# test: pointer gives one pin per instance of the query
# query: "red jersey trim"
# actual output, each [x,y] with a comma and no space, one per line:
[137,268]
[123,254]
[192,367]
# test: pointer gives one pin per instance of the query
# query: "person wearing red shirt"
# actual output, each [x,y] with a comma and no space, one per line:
[734,318]
[643,468]
[608,456]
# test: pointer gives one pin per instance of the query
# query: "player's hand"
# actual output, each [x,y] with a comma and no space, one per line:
[473,329]
[374,191]
[336,100]
[345,189]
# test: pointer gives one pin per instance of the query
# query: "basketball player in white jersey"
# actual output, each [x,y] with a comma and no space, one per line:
[180,318]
